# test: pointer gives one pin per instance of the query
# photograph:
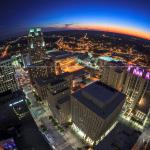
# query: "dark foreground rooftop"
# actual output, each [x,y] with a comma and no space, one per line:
[60,54]
[29,137]
[120,138]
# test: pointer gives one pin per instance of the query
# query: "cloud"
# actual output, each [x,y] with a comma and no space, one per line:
[68,25]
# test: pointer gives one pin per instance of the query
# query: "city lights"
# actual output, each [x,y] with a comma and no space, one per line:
[15,103]
[75,75]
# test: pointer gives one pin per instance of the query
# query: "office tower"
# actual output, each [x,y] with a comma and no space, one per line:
[41,69]
[36,46]
[113,74]
[135,85]
[56,90]
[7,75]
[141,112]
[59,98]
[94,109]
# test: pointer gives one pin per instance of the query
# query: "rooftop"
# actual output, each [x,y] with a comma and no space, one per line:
[11,96]
[64,99]
[35,32]
[60,54]
[120,138]
[50,80]
[107,58]
[99,98]
[79,73]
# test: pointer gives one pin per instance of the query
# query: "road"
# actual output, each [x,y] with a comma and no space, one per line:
[40,115]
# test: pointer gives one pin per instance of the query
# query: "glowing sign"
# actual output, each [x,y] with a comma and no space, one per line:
[139,71]
[129,68]
[147,75]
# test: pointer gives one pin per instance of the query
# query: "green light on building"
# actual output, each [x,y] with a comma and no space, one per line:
[31,30]
[36,33]
[107,58]
[32,46]
[38,29]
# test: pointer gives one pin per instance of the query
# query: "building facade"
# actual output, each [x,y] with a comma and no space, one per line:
[44,68]
[7,75]
[135,86]
[94,109]
[113,74]
[36,46]
[56,90]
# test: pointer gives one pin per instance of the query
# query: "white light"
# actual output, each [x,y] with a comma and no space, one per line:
[17,102]
[53,147]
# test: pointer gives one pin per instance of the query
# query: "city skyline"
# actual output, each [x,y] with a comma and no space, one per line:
[74,90]
[127,17]
[75,75]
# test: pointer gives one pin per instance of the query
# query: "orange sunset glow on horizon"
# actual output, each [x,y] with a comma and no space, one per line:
[116,29]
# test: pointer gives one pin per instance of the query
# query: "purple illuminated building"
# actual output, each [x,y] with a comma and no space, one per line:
[147,75]
[139,72]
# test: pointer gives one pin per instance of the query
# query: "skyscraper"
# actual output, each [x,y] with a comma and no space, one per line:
[113,74]
[36,45]
[56,90]
[7,75]
[141,112]
[136,83]
[94,109]
[41,69]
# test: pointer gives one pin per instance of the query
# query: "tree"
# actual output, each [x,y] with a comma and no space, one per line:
[28,102]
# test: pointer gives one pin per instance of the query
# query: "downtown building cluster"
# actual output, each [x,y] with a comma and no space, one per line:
[96,104]
[92,111]
[133,81]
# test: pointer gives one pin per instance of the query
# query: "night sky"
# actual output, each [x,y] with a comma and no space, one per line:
[122,16]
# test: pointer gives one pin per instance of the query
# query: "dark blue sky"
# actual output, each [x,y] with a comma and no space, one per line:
[18,15]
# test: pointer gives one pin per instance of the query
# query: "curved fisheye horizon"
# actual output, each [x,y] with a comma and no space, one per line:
[125,17]
[135,32]
[75,75]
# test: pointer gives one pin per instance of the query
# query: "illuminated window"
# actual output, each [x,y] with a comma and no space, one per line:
[140,115]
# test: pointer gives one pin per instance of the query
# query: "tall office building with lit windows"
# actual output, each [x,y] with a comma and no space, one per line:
[94,109]
[136,83]
[141,112]
[7,75]
[36,45]
[56,91]
[41,69]
[113,74]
